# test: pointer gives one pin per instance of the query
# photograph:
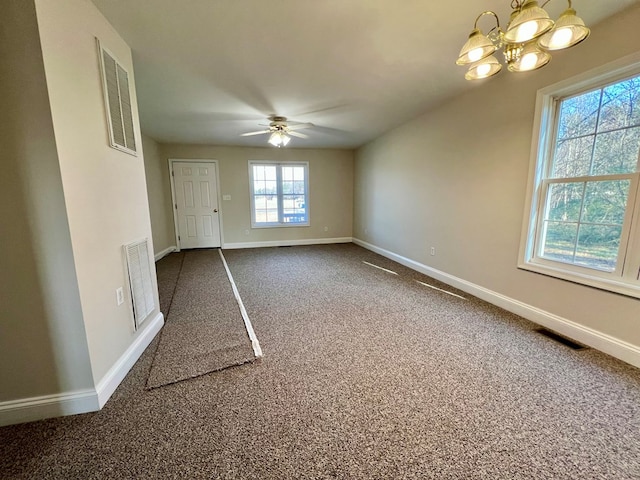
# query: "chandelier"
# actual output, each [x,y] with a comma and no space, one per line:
[526,43]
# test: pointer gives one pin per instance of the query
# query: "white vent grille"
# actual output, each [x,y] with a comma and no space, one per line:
[115,81]
[139,268]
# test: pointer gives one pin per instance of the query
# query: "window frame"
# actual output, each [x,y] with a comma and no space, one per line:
[625,279]
[279,194]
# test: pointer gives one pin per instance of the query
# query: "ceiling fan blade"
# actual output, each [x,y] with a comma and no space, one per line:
[254,133]
[297,134]
[300,126]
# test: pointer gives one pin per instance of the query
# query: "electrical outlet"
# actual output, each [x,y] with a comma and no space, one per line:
[433,250]
[226,197]
[326,229]
[119,296]
[246,232]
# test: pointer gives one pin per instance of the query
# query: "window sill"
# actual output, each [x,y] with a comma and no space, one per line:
[620,287]
[281,225]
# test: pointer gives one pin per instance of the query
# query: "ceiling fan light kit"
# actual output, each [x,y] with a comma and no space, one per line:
[280,131]
[279,139]
[525,44]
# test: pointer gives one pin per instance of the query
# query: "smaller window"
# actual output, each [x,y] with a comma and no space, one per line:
[279,194]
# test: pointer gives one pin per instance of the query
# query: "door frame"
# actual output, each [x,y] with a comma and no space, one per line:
[172,161]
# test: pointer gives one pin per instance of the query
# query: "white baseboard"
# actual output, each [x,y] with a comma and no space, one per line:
[600,341]
[165,252]
[47,406]
[80,401]
[119,370]
[287,243]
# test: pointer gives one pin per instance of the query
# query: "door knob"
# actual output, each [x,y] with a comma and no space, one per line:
[215,210]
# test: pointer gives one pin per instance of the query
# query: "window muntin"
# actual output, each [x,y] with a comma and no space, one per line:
[584,215]
[279,193]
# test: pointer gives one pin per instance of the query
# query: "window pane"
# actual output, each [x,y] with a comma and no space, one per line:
[272,215]
[598,246]
[560,241]
[573,157]
[606,202]
[271,186]
[617,152]
[258,172]
[298,186]
[578,115]
[298,174]
[260,202]
[294,209]
[287,173]
[270,172]
[565,201]
[620,105]
[287,187]
[266,208]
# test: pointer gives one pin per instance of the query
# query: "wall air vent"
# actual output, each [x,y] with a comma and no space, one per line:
[140,283]
[117,98]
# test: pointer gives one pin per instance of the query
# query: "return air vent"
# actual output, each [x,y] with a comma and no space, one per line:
[139,269]
[560,339]
[117,97]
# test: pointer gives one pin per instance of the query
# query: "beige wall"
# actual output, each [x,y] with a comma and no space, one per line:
[104,189]
[156,170]
[330,190]
[456,178]
[43,347]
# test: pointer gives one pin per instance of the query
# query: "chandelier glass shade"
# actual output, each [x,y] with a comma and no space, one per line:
[525,44]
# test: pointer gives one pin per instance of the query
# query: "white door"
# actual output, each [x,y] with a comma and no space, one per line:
[195,187]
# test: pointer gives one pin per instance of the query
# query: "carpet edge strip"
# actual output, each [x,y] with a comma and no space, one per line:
[257,350]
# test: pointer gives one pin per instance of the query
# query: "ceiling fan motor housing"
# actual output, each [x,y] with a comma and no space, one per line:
[279,123]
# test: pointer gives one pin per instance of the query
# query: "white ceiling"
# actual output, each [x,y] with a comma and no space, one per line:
[208,70]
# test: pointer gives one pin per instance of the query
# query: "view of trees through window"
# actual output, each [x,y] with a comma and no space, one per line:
[592,176]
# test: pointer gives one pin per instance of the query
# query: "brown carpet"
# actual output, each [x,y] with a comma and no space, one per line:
[366,375]
[204,330]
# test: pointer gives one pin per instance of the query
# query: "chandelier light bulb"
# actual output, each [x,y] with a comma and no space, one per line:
[526,32]
[560,39]
[483,70]
[476,54]
[528,62]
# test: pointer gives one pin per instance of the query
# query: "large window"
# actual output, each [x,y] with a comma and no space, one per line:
[279,194]
[583,223]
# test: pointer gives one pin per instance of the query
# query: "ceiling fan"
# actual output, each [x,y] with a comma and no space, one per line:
[281,131]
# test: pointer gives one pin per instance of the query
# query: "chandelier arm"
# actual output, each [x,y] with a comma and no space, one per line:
[545,3]
[488,12]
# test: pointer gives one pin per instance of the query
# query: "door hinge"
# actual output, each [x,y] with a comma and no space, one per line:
[178,237]
[172,173]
